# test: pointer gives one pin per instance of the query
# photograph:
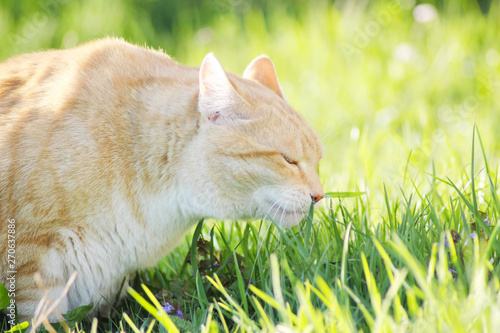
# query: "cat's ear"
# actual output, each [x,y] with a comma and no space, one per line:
[218,100]
[261,70]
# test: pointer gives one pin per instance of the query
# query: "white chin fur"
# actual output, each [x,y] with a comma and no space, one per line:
[289,219]
[285,206]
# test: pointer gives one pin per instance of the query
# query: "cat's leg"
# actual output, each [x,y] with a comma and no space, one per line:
[28,300]
[50,290]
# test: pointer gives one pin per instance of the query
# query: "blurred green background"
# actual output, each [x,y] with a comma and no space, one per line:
[392,87]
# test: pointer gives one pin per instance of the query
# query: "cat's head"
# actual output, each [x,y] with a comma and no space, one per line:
[259,154]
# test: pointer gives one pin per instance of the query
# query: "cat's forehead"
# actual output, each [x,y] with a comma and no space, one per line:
[282,124]
[288,130]
[305,139]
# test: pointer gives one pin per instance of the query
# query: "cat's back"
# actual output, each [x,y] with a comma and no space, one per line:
[64,117]
[57,74]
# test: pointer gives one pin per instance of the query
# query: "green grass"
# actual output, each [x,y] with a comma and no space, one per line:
[408,113]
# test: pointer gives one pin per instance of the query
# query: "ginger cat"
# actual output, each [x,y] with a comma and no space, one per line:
[110,152]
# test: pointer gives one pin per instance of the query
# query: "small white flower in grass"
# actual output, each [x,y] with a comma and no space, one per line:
[403,52]
[425,13]
[354,134]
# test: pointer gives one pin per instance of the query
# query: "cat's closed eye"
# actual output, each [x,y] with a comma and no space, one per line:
[290,160]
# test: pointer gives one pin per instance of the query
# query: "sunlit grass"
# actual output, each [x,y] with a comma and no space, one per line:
[396,103]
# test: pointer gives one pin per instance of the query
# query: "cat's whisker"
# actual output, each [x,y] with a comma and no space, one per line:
[276,207]
[280,208]
[276,202]
[283,213]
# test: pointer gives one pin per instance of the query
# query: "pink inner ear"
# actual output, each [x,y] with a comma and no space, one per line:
[270,81]
[213,79]
[262,70]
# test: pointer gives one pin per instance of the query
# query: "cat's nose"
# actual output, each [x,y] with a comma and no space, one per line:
[317,197]
[316,190]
